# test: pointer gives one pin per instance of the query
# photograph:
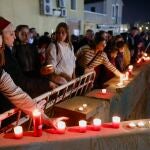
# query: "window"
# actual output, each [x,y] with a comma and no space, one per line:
[61,3]
[73,4]
[46,7]
[93,9]
[113,11]
[117,13]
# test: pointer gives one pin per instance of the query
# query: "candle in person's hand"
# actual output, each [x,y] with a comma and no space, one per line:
[18,131]
[97,124]
[37,122]
[130,69]
[61,126]
[121,79]
[127,75]
[82,125]
[116,121]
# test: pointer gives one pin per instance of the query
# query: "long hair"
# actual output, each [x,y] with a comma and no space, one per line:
[2,58]
[65,26]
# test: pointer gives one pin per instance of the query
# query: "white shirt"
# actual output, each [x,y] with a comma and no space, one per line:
[64,60]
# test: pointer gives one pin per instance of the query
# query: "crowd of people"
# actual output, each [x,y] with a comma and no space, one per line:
[31,65]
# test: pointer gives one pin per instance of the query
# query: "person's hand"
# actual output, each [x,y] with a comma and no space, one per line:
[53,121]
[64,75]
[58,80]
[47,70]
[41,105]
[52,85]
[56,120]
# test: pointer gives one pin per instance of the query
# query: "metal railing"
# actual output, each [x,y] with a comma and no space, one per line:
[78,86]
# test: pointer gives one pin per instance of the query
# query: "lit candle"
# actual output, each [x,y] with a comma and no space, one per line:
[145,54]
[84,105]
[140,124]
[82,125]
[121,79]
[116,121]
[61,126]
[104,91]
[130,67]
[132,125]
[147,58]
[18,131]
[127,75]
[97,124]
[80,108]
[37,121]
[139,60]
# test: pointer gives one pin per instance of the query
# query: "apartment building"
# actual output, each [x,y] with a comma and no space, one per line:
[80,15]
[44,15]
[103,14]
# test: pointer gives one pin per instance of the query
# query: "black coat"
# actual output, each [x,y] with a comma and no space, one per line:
[34,86]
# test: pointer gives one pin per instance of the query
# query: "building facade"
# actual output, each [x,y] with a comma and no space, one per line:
[44,15]
[103,14]
[80,15]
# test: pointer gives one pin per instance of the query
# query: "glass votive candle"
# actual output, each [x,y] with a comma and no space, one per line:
[104,91]
[116,121]
[82,125]
[147,58]
[84,105]
[130,68]
[97,124]
[61,126]
[80,108]
[132,125]
[140,124]
[145,54]
[18,131]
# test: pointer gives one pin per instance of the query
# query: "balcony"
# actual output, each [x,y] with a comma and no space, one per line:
[96,17]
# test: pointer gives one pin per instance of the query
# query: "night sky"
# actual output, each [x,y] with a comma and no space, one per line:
[136,10]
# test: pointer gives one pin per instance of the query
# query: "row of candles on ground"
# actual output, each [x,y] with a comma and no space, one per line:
[61,125]
[125,77]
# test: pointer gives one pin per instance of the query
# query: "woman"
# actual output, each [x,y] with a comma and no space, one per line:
[35,85]
[61,54]
[89,57]
[14,93]
[26,54]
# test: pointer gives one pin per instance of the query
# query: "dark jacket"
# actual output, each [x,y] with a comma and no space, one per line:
[34,86]
[27,57]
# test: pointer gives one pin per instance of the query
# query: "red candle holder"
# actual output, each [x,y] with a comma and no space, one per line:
[61,127]
[18,131]
[37,122]
[96,124]
[116,121]
[82,126]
